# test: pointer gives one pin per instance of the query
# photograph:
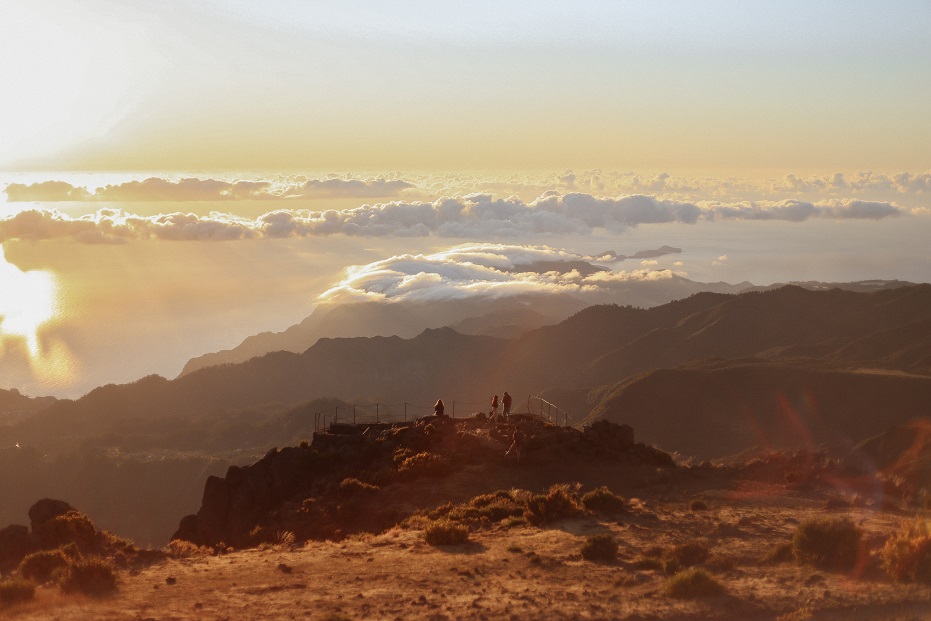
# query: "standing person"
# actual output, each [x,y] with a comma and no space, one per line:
[506,402]
[439,409]
[494,406]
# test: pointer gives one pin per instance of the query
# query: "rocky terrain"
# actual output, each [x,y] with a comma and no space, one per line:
[585,525]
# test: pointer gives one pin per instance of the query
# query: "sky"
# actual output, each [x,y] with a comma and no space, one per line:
[176,176]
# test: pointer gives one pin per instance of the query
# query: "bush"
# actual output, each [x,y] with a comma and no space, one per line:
[907,553]
[560,502]
[16,590]
[41,566]
[90,577]
[602,548]
[779,553]
[692,584]
[352,487]
[425,465]
[71,527]
[829,543]
[698,505]
[683,556]
[445,533]
[603,500]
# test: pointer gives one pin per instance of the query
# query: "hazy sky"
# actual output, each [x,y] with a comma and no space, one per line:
[668,85]
[178,175]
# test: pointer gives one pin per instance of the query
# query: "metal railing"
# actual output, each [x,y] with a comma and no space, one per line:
[396,412]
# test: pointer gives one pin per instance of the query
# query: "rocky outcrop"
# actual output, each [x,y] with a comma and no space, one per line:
[303,490]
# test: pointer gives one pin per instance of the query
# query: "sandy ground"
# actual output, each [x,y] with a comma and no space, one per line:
[524,572]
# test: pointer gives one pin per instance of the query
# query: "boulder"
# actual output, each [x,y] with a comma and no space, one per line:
[45,510]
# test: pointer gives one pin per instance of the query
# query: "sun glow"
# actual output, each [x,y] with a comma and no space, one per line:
[27,300]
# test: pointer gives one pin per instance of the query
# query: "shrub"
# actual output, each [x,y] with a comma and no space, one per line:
[561,501]
[425,465]
[682,556]
[907,553]
[601,548]
[698,505]
[91,576]
[16,590]
[829,543]
[603,500]
[445,533]
[179,548]
[40,566]
[71,527]
[352,487]
[692,584]
[779,553]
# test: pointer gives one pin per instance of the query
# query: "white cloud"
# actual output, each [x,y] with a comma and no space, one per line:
[475,215]
[492,270]
[195,189]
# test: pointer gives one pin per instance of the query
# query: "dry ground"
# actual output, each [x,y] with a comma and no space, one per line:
[525,572]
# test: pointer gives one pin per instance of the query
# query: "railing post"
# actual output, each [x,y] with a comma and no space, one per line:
[376,413]
[353,413]
[336,415]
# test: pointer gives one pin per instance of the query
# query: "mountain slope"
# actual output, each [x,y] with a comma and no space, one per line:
[721,408]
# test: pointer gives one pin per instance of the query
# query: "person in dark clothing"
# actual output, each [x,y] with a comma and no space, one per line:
[494,406]
[506,403]
[439,409]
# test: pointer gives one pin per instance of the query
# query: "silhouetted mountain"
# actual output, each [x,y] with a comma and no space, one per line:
[721,408]
[14,405]
[401,318]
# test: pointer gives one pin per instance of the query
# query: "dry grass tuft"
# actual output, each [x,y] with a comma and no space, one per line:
[682,556]
[603,500]
[907,553]
[445,533]
[698,505]
[828,543]
[560,502]
[693,584]
[600,548]
[41,566]
[779,553]
[92,576]
[16,590]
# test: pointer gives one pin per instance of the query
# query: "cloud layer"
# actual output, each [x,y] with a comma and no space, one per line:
[469,270]
[194,189]
[476,215]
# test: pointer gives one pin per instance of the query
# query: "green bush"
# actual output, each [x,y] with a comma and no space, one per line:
[560,502]
[907,553]
[828,543]
[41,566]
[600,548]
[14,590]
[445,533]
[92,576]
[603,500]
[693,584]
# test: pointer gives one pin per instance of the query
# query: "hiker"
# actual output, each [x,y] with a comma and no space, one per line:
[506,402]
[494,406]
[439,409]
[517,443]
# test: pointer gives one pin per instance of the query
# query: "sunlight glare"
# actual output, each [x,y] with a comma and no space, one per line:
[27,300]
